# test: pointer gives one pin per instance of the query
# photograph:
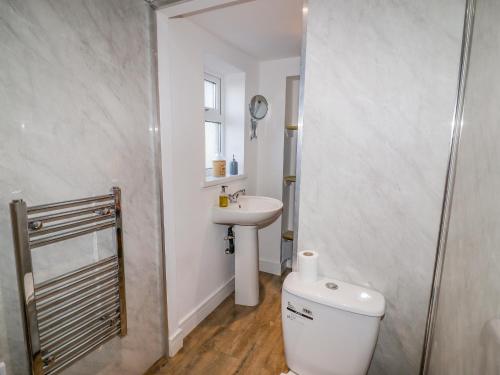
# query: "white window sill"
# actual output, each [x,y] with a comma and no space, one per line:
[216,181]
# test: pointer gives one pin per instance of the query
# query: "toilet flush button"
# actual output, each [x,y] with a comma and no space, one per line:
[331,285]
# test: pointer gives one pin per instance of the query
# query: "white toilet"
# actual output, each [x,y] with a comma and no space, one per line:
[329,327]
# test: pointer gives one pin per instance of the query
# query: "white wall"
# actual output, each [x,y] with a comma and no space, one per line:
[270,132]
[199,273]
[380,88]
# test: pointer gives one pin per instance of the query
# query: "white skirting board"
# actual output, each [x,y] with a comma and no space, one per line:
[274,268]
[196,316]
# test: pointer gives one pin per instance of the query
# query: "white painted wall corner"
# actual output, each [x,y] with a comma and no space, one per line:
[197,315]
[271,267]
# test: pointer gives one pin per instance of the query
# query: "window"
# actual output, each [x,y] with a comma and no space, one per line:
[224,119]
[214,119]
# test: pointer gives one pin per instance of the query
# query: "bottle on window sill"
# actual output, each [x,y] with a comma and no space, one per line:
[219,166]
[233,167]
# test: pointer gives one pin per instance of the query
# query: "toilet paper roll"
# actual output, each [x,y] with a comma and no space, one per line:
[308,265]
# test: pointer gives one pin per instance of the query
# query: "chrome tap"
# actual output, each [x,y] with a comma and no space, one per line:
[233,198]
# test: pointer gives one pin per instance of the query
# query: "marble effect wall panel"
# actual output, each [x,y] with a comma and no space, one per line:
[76,119]
[380,88]
[467,333]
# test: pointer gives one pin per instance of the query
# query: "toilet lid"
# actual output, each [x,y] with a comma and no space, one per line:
[338,294]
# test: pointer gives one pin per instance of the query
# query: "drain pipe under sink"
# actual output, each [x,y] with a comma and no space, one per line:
[230,238]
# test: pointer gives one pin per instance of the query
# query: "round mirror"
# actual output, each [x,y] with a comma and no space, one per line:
[258,107]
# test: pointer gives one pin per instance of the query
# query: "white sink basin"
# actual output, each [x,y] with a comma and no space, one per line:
[250,210]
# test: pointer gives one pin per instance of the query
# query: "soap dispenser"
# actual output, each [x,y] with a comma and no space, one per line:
[223,198]
[233,167]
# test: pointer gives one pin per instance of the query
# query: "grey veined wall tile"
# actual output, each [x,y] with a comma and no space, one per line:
[75,112]
[466,337]
[380,89]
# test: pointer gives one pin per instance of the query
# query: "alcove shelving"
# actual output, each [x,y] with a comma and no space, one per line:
[289,166]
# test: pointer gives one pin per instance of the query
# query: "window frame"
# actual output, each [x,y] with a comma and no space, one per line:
[215,115]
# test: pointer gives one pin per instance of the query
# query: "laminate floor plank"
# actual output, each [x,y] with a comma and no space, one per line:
[236,339]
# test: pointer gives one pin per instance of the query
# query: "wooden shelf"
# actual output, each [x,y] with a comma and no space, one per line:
[288,235]
[289,179]
[291,127]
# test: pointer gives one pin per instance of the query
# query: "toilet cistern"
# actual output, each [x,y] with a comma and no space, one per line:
[330,327]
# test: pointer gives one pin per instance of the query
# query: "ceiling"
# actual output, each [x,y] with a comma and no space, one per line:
[264,29]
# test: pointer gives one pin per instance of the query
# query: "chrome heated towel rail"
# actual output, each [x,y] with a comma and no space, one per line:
[70,315]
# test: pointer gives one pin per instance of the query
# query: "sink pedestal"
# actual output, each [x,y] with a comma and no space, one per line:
[246,259]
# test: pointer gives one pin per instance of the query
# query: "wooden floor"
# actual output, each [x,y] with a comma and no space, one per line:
[236,339]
